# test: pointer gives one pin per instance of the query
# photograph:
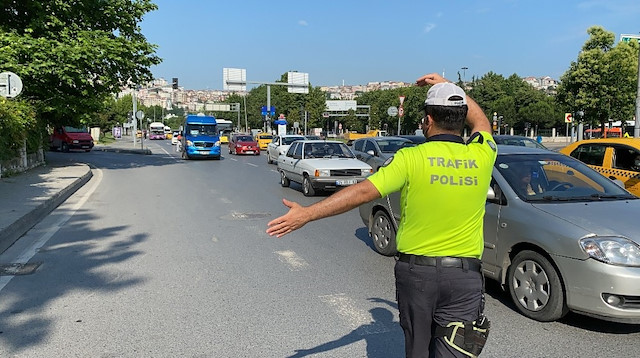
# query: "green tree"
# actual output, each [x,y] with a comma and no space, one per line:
[602,81]
[72,55]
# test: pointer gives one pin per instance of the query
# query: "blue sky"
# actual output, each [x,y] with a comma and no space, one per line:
[357,42]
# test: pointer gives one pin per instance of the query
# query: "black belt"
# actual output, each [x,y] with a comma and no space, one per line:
[443,261]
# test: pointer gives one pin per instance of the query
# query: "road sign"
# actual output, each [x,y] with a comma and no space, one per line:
[140,114]
[392,111]
[401,100]
[568,118]
[401,111]
[10,84]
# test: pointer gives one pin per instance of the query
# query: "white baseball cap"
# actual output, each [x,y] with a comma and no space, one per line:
[445,94]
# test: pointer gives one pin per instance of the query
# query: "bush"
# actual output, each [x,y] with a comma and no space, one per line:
[17,123]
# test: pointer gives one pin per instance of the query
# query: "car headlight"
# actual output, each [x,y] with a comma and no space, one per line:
[217,144]
[322,172]
[366,172]
[75,141]
[189,143]
[612,250]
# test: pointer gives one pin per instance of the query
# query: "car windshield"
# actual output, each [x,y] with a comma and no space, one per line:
[75,130]
[244,138]
[392,145]
[556,177]
[522,142]
[327,150]
[195,130]
[263,137]
[289,140]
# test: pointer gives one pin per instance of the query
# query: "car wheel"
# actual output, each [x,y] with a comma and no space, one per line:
[284,181]
[307,188]
[229,150]
[185,156]
[269,158]
[64,147]
[535,287]
[383,234]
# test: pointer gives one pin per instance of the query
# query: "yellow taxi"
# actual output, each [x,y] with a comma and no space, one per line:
[263,140]
[615,158]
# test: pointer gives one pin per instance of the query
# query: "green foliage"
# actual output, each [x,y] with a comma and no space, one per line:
[72,55]
[602,81]
[17,124]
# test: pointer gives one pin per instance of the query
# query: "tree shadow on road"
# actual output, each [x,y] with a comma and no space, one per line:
[383,336]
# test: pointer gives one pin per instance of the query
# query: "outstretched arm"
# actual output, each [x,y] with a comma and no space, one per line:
[338,203]
[476,119]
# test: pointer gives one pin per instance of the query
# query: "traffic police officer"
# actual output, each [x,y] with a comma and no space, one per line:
[443,185]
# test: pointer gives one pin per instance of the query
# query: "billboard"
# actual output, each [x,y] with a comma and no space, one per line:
[341,106]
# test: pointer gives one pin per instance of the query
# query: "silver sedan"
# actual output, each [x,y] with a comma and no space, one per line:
[558,235]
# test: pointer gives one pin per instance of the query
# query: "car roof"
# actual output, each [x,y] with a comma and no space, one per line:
[384,138]
[291,135]
[508,136]
[504,149]
[320,141]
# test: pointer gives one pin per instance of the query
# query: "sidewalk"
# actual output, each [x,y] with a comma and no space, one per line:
[28,197]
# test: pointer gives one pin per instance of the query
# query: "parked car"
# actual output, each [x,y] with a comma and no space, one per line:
[321,165]
[263,140]
[67,137]
[279,146]
[312,137]
[615,158]
[376,150]
[517,140]
[572,244]
[240,143]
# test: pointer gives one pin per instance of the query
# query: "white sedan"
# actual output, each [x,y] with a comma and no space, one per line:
[279,146]
[321,165]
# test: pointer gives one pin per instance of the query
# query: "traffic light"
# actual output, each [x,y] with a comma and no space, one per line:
[174,83]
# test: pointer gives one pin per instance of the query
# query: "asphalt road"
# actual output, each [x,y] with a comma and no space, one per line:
[160,257]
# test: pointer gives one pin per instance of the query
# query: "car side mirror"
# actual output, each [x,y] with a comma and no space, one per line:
[495,196]
[371,152]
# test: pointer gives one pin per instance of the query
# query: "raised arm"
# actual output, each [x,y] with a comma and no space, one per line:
[476,119]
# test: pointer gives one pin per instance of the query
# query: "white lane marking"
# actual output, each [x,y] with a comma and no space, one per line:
[234,159]
[29,252]
[253,165]
[214,239]
[295,262]
[177,159]
[275,171]
[225,200]
[355,316]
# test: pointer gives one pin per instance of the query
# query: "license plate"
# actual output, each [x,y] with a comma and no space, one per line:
[249,152]
[346,182]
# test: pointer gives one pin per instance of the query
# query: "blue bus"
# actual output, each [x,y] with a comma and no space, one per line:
[200,137]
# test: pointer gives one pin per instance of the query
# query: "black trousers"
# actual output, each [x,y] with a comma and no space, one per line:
[435,295]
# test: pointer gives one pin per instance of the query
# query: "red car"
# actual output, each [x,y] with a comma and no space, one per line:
[65,138]
[240,143]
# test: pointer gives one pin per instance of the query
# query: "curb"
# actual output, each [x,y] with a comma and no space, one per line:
[13,232]
[123,150]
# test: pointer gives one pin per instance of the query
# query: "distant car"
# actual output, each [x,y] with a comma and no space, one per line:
[376,150]
[321,165]
[279,146]
[263,140]
[67,137]
[517,140]
[312,137]
[615,158]
[240,143]
[174,138]
[572,244]
[415,138]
